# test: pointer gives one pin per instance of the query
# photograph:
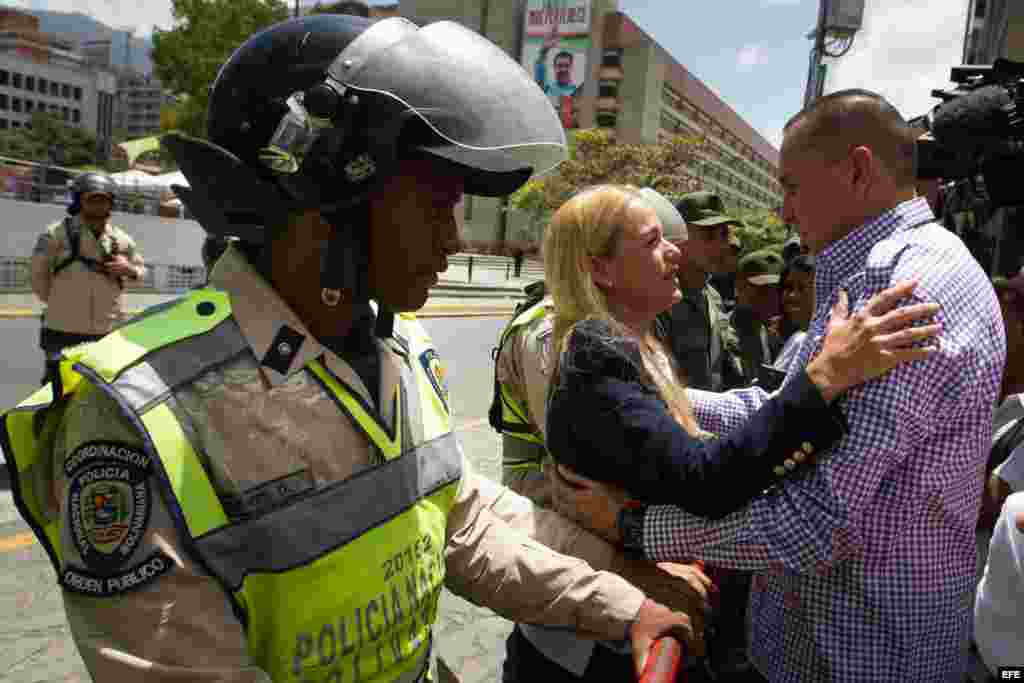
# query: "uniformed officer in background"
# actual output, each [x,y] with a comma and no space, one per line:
[79,267]
[696,330]
[259,481]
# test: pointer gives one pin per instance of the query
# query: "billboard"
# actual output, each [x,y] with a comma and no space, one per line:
[555,48]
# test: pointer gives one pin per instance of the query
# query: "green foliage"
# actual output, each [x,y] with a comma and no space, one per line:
[76,146]
[760,229]
[596,158]
[187,57]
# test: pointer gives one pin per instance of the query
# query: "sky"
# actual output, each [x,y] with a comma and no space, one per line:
[753,53]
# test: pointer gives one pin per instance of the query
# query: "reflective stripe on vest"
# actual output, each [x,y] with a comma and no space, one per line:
[339,585]
[528,454]
[513,412]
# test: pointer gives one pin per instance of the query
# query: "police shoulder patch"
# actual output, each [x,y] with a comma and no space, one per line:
[437,374]
[109,503]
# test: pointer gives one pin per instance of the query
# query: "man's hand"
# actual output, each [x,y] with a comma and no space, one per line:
[551,39]
[657,621]
[120,266]
[591,504]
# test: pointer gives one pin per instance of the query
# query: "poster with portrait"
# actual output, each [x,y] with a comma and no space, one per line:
[555,48]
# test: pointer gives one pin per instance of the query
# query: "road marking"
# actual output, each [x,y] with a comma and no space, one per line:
[17,541]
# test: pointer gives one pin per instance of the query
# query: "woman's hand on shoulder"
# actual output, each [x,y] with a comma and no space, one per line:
[869,343]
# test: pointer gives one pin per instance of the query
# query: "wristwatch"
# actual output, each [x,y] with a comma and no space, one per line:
[631,526]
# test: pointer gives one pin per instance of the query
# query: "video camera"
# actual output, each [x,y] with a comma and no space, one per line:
[977,129]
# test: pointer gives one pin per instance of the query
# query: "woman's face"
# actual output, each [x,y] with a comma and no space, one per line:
[639,279]
[798,298]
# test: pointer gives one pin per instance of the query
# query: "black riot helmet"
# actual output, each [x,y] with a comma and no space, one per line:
[90,183]
[315,112]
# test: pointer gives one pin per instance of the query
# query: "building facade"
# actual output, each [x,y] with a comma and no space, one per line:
[41,73]
[622,79]
[140,98]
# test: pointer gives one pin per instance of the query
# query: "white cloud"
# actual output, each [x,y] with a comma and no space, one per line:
[138,15]
[903,52]
[750,56]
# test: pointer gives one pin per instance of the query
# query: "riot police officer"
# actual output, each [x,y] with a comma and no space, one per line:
[260,481]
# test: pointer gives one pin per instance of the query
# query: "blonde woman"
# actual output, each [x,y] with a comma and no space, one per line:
[618,412]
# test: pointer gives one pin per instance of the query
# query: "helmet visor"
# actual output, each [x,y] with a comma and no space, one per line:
[465,88]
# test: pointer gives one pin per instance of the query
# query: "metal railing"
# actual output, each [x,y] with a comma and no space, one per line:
[16,273]
[529,269]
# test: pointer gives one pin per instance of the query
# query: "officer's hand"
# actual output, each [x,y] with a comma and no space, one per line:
[590,503]
[682,587]
[120,267]
[657,621]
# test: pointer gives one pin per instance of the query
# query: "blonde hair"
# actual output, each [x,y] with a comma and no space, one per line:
[591,225]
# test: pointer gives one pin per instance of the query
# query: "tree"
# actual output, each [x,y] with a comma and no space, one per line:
[356,7]
[48,135]
[759,229]
[595,157]
[187,57]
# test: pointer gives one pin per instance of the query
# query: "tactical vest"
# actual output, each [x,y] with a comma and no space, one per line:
[339,585]
[522,442]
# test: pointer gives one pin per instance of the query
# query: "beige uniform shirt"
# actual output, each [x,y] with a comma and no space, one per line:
[77,299]
[255,426]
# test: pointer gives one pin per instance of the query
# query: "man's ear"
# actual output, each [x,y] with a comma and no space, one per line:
[865,169]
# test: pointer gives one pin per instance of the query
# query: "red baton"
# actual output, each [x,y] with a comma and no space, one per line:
[663,661]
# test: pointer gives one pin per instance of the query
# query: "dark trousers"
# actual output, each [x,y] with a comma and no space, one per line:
[52,342]
[526,664]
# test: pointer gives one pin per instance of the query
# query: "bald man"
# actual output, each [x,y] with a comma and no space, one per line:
[865,563]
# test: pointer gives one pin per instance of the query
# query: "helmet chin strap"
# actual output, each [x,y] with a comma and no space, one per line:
[344,269]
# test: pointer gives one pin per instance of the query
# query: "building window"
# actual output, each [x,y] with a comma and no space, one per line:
[30,83]
[78,94]
[54,89]
[76,116]
[54,109]
[43,86]
[16,104]
[16,80]
[29,104]
[65,91]
[4,77]
[15,124]
[3,102]
[3,124]
[65,113]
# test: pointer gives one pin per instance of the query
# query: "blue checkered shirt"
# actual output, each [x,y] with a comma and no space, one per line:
[865,563]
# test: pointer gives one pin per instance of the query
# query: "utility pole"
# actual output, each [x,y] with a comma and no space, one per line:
[296,8]
[816,53]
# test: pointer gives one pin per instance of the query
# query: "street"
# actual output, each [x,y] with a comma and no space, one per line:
[35,644]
